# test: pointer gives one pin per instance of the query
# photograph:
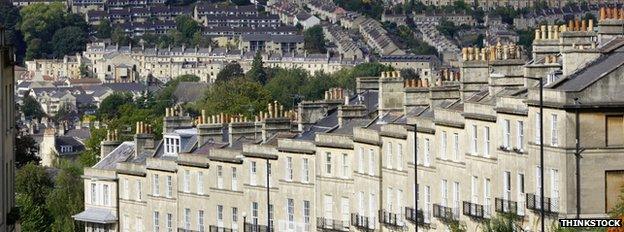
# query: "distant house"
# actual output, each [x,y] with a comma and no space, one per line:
[55,146]
[306,20]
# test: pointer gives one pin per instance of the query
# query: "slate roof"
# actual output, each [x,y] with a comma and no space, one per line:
[190,91]
[593,72]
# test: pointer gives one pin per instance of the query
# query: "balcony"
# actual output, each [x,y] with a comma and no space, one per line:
[417,216]
[510,207]
[219,229]
[473,210]
[249,227]
[362,223]
[326,224]
[533,203]
[390,219]
[444,213]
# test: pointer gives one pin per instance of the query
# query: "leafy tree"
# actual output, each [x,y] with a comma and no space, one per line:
[64,113]
[187,78]
[26,150]
[89,157]
[187,26]
[69,40]
[35,49]
[317,85]
[231,71]
[31,107]
[9,18]
[503,223]
[109,107]
[32,186]
[66,199]
[285,84]
[257,72]
[371,8]
[104,29]
[314,39]
[118,36]
[238,96]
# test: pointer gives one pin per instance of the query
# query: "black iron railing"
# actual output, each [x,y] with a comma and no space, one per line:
[362,223]
[219,229]
[417,216]
[326,224]
[473,210]
[249,227]
[444,213]
[533,202]
[506,206]
[390,219]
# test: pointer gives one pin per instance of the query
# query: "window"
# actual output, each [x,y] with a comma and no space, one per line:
[399,156]
[427,203]
[554,189]
[139,224]
[507,185]
[105,195]
[520,197]
[443,146]
[506,133]
[486,138]
[427,155]
[172,145]
[474,193]
[538,178]
[399,201]
[156,225]
[200,182]
[615,130]
[344,209]
[486,197]
[169,192]
[155,187]
[126,223]
[125,188]
[520,136]
[187,218]
[456,197]
[93,193]
[305,175]
[328,206]
[200,220]
[219,214]
[538,128]
[220,177]
[389,155]
[234,214]
[444,192]
[290,209]
[361,160]
[169,222]
[254,213]
[371,162]
[269,173]
[345,166]
[456,146]
[139,190]
[253,170]
[306,212]
[234,179]
[187,181]
[328,164]
[289,169]
[553,131]
[271,214]
[473,145]
[372,205]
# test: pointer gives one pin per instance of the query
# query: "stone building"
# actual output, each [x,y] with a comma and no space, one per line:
[7,134]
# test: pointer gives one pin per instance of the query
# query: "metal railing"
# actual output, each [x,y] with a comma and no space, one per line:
[533,202]
[249,227]
[219,229]
[362,222]
[444,213]
[326,224]
[506,206]
[473,210]
[417,216]
[390,219]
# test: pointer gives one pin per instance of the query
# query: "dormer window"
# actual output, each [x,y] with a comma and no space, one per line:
[172,145]
[66,149]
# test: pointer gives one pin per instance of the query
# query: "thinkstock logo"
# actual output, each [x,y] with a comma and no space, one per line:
[590,222]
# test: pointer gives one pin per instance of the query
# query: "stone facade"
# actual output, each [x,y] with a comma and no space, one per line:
[7,133]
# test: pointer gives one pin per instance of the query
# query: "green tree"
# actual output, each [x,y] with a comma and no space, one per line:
[238,96]
[257,72]
[187,26]
[503,223]
[118,36]
[317,85]
[26,150]
[314,39]
[285,84]
[89,157]
[231,71]
[104,29]
[109,107]
[35,49]
[69,40]
[9,18]
[66,199]
[32,186]
[31,107]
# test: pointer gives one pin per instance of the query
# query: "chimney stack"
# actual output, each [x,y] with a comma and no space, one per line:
[111,142]
[143,138]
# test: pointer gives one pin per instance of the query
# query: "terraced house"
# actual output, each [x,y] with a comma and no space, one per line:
[394,155]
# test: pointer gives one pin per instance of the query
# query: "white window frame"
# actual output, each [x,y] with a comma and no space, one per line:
[169,192]
[487,142]
[474,136]
[139,190]
[253,171]
[345,165]
[156,221]
[506,133]
[328,163]
[200,221]
[537,128]
[443,142]
[200,182]
[371,162]
[389,155]
[427,151]
[305,175]
[187,181]
[289,169]
[361,160]
[399,157]
[219,177]
[290,210]
[234,179]
[456,146]
[554,134]
[520,135]
[155,185]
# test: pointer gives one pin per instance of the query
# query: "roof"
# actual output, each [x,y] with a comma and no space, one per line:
[189,91]
[119,154]
[593,72]
[96,215]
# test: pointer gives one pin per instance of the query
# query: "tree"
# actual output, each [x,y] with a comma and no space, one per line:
[257,72]
[187,26]
[9,18]
[118,36]
[231,71]
[90,156]
[31,107]
[69,40]
[238,96]
[317,85]
[503,223]
[104,29]
[66,199]
[314,39]
[285,84]
[109,107]
[32,186]
[26,150]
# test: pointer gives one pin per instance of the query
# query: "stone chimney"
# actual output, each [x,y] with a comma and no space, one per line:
[111,142]
[610,24]
[390,92]
[46,147]
[241,126]
[416,94]
[174,119]
[276,120]
[210,128]
[309,112]
[474,72]
[349,112]
[144,138]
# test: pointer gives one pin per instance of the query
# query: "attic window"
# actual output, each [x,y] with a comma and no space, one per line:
[66,148]
[172,145]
